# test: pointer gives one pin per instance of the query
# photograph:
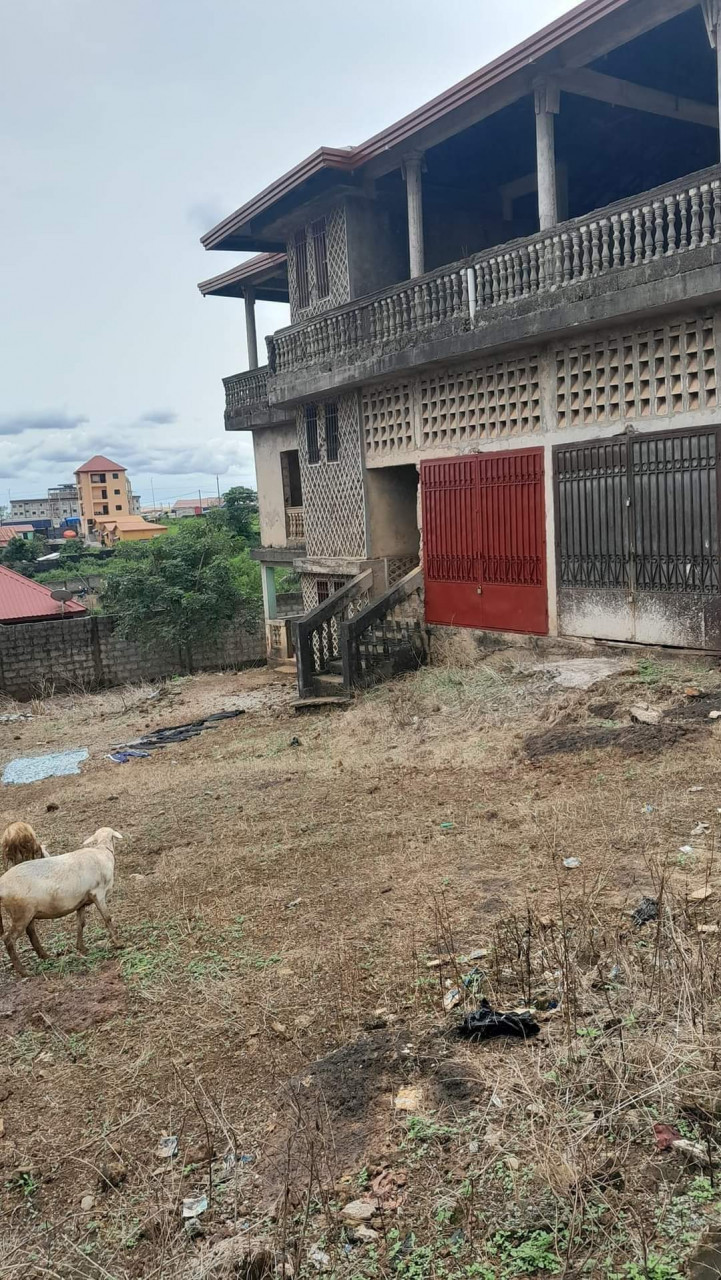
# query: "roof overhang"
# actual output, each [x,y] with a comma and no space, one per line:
[587,32]
[266,274]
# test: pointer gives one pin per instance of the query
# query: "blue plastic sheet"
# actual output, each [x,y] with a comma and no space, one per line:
[35,768]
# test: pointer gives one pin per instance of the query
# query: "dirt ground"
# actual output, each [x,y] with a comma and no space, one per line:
[296,898]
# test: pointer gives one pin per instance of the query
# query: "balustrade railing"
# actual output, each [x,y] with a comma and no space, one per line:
[656,225]
[294,524]
[316,636]
[388,636]
[246,390]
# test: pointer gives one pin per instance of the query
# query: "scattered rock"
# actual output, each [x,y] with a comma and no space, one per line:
[701,829]
[87,1203]
[693,1150]
[52,807]
[363,1234]
[645,715]
[358,1211]
[700,895]
[409,1098]
[705,1261]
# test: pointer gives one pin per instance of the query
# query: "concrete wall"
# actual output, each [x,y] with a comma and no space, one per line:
[268,444]
[377,247]
[391,502]
[86,653]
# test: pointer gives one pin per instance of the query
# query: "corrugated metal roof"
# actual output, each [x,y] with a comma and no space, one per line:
[99,463]
[22,600]
[10,531]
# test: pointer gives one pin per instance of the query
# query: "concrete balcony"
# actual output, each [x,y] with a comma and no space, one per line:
[246,402]
[651,251]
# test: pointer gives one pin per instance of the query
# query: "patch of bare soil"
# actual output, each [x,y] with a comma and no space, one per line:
[296,901]
[64,1005]
[635,740]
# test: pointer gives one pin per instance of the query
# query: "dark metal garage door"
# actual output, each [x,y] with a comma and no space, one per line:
[637,522]
[484,541]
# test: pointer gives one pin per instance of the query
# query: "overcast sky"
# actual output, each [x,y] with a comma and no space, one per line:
[129,127]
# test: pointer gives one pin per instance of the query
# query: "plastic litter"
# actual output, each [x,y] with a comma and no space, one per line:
[694,1150]
[193,1206]
[124,757]
[692,790]
[451,998]
[446,826]
[686,849]
[167,1147]
[295,742]
[700,895]
[707,928]
[646,911]
[571,863]
[177,733]
[714,715]
[701,829]
[487,1023]
[16,715]
[58,764]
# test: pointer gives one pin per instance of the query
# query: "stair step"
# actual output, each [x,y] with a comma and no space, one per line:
[329,677]
[319,704]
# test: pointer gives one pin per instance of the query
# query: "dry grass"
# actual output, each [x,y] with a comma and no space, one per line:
[277,902]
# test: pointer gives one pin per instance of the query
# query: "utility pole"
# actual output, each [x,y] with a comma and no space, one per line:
[217,485]
[200,503]
[152,489]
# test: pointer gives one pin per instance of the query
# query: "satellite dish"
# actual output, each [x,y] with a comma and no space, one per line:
[62,596]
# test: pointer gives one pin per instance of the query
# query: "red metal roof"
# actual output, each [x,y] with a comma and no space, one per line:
[99,463]
[546,41]
[10,531]
[22,600]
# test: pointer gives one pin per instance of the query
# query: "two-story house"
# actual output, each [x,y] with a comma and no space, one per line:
[503,352]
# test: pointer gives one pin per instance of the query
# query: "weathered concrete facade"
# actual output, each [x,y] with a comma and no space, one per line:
[527,267]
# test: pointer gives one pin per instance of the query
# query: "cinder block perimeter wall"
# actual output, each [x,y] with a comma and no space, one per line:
[38,658]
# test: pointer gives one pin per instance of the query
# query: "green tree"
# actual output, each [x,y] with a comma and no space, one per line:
[181,590]
[20,555]
[241,511]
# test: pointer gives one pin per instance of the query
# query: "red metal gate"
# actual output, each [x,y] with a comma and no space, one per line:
[484,541]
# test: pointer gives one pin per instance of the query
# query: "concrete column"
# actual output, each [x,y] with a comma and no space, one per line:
[547,99]
[412,169]
[251,336]
[267,580]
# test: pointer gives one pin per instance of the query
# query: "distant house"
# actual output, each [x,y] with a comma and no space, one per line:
[22,600]
[126,529]
[60,504]
[10,531]
[194,506]
[104,490]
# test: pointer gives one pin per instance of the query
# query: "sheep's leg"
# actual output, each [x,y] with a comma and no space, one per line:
[9,938]
[82,949]
[99,901]
[37,945]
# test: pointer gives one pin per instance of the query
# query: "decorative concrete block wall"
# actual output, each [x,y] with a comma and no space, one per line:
[39,658]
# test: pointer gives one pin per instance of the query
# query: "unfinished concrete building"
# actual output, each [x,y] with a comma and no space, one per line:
[496,403]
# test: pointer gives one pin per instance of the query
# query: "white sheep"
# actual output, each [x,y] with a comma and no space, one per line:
[49,888]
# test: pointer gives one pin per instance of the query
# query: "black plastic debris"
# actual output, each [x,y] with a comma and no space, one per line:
[487,1023]
[646,911]
[177,733]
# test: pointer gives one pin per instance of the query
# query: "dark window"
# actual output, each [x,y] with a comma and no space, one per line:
[301,268]
[338,584]
[105,510]
[118,506]
[322,587]
[311,432]
[332,438]
[103,493]
[115,475]
[320,257]
[290,470]
[116,492]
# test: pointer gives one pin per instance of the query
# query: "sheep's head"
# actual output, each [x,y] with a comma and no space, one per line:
[103,838]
